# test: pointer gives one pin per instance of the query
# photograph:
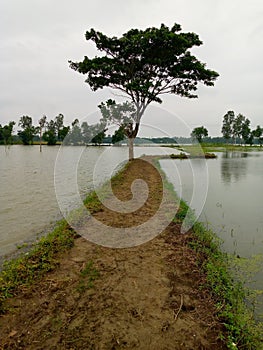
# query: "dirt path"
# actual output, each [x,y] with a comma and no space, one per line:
[144,297]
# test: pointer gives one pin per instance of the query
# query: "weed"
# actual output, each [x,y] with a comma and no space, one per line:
[21,246]
[87,277]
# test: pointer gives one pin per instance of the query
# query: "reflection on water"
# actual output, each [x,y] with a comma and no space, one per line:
[233,171]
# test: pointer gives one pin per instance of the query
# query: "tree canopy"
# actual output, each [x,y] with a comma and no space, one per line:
[237,127]
[28,130]
[144,64]
[199,132]
[6,133]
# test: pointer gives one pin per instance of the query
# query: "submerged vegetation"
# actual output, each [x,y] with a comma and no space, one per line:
[197,154]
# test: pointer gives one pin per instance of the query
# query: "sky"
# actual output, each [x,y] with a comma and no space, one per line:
[39,37]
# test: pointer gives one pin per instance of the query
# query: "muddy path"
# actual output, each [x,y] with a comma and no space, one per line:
[143,297]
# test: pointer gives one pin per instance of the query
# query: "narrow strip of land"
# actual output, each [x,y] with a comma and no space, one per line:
[144,297]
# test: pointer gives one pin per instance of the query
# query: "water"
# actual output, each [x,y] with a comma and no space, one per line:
[226,194]
[28,196]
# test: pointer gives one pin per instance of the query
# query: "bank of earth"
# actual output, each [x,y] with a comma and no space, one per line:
[144,297]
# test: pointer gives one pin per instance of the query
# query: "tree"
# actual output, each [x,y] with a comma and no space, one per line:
[227,128]
[97,139]
[98,132]
[63,133]
[28,132]
[246,133]
[61,130]
[50,134]
[86,132]
[237,126]
[6,133]
[199,132]
[118,135]
[257,133]
[144,64]
[74,135]
[123,115]
[42,123]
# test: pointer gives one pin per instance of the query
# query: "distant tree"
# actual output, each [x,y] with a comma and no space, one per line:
[86,132]
[257,133]
[144,64]
[42,123]
[98,139]
[6,133]
[28,130]
[50,134]
[75,137]
[60,128]
[118,135]
[199,132]
[237,126]
[63,132]
[98,132]
[227,128]
[246,133]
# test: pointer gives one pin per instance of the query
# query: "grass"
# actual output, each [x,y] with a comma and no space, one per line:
[31,266]
[242,331]
[211,147]
[87,276]
[196,154]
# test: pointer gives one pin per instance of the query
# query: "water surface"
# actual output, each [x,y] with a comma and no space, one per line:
[226,193]
[28,195]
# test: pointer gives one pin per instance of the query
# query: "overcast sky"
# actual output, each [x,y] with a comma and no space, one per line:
[38,37]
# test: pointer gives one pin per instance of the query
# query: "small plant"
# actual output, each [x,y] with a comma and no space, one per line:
[87,276]
[21,246]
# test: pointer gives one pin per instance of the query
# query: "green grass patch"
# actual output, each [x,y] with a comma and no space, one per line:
[29,267]
[87,277]
[211,147]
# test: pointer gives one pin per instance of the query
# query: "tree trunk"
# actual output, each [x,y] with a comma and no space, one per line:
[40,140]
[131,150]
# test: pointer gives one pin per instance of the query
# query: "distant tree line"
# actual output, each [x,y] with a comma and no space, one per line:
[235,129]
[52,132]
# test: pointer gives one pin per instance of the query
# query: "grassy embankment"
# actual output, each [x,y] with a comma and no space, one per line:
[203,148]
[241,331]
